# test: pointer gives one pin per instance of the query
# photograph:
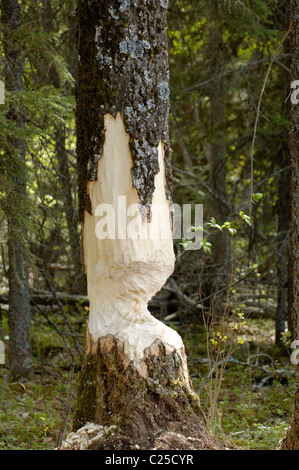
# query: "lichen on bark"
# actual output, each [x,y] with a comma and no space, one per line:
[123,67]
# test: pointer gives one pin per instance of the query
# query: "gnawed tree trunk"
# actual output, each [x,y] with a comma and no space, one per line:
[135,390]
[291,440]
[19,354]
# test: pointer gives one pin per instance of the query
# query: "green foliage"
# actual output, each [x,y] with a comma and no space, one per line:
[46,103]
[250,32]
[32,414]
[250,415]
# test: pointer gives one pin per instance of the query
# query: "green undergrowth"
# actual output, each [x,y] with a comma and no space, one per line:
[256,398]
[254,406]
[33,413]
[36,412]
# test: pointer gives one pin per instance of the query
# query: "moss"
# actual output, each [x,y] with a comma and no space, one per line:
[87,389]
[110,394]
[140,408]
[123,65]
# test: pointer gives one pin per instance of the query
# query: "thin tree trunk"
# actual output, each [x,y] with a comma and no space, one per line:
[135,390]
[291,440]
[69,206]
[19,301]
[221,246]
[63,164]
[283,238]
[284,290]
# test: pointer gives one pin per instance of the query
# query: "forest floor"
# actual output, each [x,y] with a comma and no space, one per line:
[252,411]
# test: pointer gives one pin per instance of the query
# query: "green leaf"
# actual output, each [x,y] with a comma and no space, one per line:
[212,222]
[246,218]
[257,196]
[184,243]
[206,246]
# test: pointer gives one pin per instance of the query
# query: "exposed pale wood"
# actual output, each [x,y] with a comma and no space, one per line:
[124,273]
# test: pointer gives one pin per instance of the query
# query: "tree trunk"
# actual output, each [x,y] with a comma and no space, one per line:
[134,389]
[63,165]
[291,440]
[19,355]
[69,206]
[283,266]
[221,246]
[283,240]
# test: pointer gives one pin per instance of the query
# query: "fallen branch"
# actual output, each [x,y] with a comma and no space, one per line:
[47,298]
[64,315]
[174,289]
[269,373]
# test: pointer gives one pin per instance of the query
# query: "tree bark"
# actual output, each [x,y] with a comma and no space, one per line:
[221,246]
[283,239]
[291,440]
[63,163]
[69,206]
[283,265]
[135,390]
[19,355]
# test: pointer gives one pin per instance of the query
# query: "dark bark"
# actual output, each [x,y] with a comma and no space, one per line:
[69,206]
[63,161]
[283,240]
[123,67]
[291,440]
[284,273]
[221,247]
[281,316]
[19,355]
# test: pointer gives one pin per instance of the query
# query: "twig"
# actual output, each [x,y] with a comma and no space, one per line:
[231,360]
[68,411]
[240,69]
[229,286]
[174,288]
[56,328]
[60,305]
[206,187]
[258,113]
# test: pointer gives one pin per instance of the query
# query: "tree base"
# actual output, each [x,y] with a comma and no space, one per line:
[120,409]
[291,439]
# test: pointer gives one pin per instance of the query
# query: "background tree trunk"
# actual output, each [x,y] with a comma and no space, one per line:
[19,302]
[283,240]
[221,246]
[70,210]
[71,214]
[291,440]
[284,290]
[134,379]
